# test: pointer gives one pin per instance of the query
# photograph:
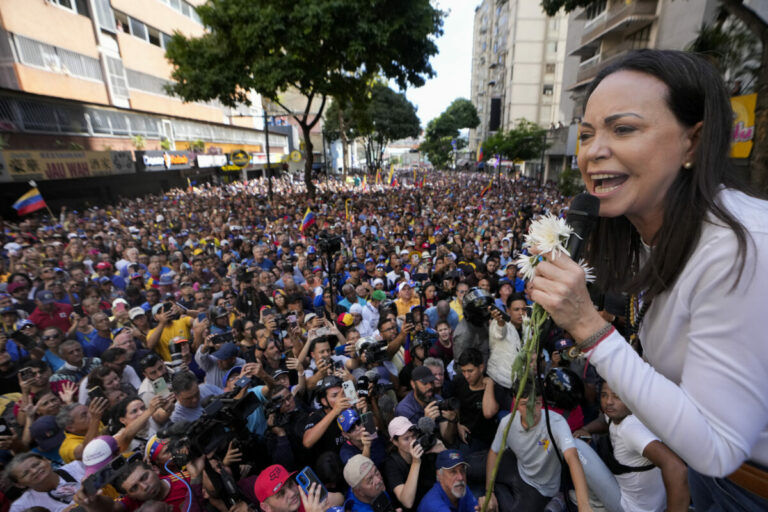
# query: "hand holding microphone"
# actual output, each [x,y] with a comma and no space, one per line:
[560,285]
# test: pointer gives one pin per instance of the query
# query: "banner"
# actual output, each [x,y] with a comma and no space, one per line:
[59,165]
[743,125]
[211,160]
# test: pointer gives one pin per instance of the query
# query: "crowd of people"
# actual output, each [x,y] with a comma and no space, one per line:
[209,349]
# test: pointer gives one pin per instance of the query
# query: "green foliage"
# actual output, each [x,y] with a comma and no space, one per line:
[552,6]
[165,144]
[444,129]
[732,49]
[525,141]
[570,182]
[321,48]
[386,116]
[139,142]
[198,146]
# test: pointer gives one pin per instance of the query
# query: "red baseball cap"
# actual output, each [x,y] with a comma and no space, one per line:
[270,481]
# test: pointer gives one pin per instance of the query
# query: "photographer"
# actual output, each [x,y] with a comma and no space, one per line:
[216,362]
[423,401]
[283,437]
[409,472]
[357,440]
[321,431]
[170,324]
[420,343]
[324,362]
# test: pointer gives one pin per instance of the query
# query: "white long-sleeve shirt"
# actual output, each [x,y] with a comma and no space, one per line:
[705,391]
[505,345]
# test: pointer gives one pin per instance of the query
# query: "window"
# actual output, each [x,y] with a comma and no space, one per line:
[58,60]
[76,6]
[154,36]
[138,29]
[122,23]
[117,77]
[551,47]
[548,90]
[165,38]
[105,15]
[595,9]
[549,68]
[640,38]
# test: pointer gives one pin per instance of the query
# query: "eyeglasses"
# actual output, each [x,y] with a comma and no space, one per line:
[51,337]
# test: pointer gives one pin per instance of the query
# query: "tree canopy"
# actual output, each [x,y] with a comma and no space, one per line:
[321,48]
[525,141]
[443,131]
[386,116]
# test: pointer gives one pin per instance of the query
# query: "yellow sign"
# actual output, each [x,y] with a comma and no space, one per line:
[743,125]
[57,165]
[231,168]
[296,156]
[240,158]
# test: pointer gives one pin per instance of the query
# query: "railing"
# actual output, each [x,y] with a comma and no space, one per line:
[619,11]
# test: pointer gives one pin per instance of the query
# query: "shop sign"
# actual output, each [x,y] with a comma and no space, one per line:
[211,160]
[57,165]
[165,160]
[743,134]
[240,158]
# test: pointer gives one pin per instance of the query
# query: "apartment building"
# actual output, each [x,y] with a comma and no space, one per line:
[91,74]
[517,66]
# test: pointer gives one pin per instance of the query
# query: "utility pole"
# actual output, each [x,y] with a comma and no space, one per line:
[268,171]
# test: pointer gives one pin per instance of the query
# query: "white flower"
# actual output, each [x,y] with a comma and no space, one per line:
[589,272]
[548,234]
[526,264]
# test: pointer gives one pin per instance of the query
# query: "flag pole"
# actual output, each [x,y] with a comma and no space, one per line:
[34,185]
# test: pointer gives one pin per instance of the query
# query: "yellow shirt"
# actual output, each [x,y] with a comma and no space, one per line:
[180,327]
[67,448]
[405,307]
[458,308]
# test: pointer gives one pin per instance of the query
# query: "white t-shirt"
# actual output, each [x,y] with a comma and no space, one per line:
[641,491]
[537,462]
[65,492]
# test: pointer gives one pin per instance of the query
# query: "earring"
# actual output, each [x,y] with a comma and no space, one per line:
[688,165]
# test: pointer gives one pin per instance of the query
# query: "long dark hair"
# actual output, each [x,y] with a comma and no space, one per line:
[696,93]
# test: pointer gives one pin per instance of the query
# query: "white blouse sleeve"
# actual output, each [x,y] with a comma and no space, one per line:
[717,414]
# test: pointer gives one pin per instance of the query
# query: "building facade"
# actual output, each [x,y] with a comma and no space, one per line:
[517,66]
[91,74]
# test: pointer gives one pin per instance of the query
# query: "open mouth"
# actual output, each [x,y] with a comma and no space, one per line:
[607,182]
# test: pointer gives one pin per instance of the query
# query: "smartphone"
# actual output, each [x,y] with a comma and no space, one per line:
[201,317]
[382,504]
[366,419]
[292,320]
[340,350]
[307,477]
[27,373]
[160,387]
[409,318]
[349,391]
[5,429]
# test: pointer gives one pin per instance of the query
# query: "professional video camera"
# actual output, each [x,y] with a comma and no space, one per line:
[426,338]
[327,243]
[372,377]
[448,404]
[245,275]
[107,474]
[375,351]
[224,419]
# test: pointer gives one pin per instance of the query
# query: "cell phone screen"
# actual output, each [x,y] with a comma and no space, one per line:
[160,387]
[368,422]
[306,478]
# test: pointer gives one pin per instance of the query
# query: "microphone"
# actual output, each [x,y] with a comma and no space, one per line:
[426,425]
[582,217]
[372,375]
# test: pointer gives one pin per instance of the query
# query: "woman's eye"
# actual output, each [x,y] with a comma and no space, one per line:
[584,136]
[623,129]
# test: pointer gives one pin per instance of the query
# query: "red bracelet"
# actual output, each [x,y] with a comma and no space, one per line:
[591,349]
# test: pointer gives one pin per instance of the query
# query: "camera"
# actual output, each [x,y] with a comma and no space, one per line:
[282,322]
[328,244]
[224,337]
[177,358]
[245,275]
[427,440]
[107,474]
[447,404]
[273,407]
[375,352]
[424,339]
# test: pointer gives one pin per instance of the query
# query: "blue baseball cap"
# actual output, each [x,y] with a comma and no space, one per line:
[448,459]
[347,420]
[235,370]
[225,351]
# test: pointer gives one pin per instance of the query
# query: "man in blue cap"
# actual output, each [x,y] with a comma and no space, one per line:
[451,492]
[357,440]
[217,362]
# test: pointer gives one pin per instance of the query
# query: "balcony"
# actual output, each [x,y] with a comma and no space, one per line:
[589,68]
[621,19]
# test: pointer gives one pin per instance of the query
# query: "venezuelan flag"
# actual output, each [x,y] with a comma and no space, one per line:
[487,188]
[29,202]
[480,152]
[308,220]
[378,176]
[391,177]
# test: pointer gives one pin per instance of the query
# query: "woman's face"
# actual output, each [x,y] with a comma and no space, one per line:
[632,148]
[111,381]
[133,411]
[48,405]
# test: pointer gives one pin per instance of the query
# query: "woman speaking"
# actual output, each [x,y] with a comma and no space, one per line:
[690,246]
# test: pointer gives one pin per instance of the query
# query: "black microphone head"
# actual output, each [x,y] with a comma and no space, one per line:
[426,424]
[583,205]
[582,216]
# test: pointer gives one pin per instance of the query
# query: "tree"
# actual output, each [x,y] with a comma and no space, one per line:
[321,48]
[442,132]
[386,116]
[759,28]
[569,183]
[525,141]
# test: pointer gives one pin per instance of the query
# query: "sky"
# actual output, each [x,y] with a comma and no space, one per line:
[453,64]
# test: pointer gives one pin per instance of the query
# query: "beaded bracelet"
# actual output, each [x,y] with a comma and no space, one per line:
[594,339]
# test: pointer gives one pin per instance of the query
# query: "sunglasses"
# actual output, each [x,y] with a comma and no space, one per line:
[52,337]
